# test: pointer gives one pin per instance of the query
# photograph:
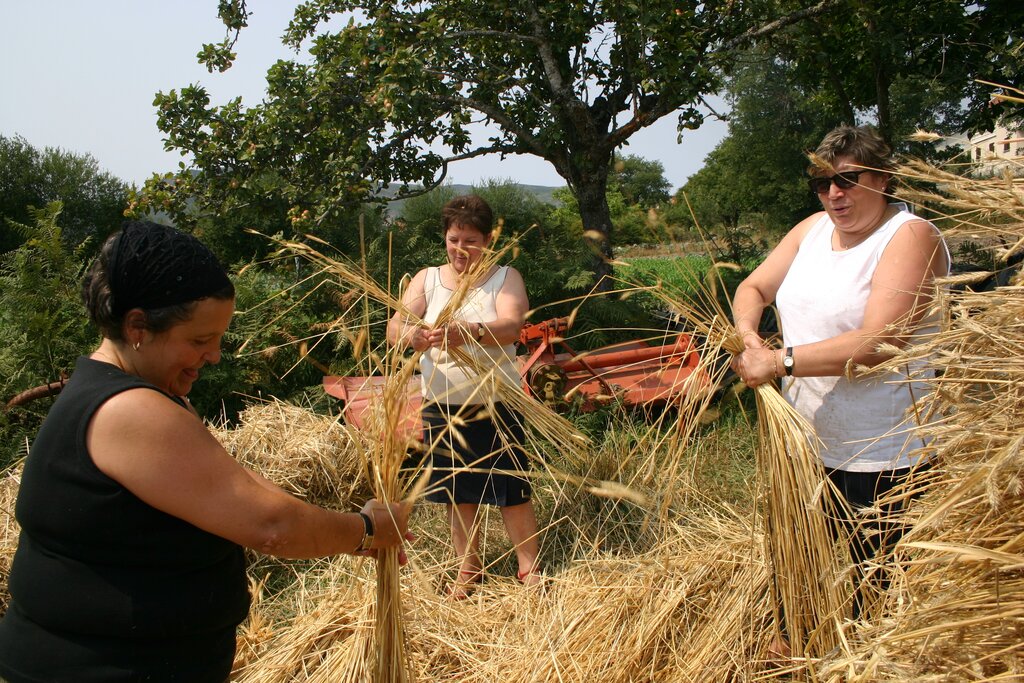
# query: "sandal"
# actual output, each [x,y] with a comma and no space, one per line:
[535,571]
[465,584]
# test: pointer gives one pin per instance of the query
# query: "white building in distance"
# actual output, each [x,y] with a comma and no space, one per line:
[997,150]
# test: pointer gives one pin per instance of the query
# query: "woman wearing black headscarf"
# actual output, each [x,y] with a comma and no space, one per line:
[130,565]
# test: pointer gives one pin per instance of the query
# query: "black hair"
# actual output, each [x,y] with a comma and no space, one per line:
[98,297]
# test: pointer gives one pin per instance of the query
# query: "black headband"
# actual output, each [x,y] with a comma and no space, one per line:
[153,266]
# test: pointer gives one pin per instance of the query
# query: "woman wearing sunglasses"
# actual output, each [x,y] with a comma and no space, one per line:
[849,282]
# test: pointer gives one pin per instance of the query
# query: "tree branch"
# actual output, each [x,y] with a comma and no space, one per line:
[29,395]
[714,112]
[575,109]
[483,151]
[780,23]
[495,34]
[496,115]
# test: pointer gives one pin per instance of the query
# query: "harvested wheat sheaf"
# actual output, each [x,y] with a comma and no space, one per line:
[312,456]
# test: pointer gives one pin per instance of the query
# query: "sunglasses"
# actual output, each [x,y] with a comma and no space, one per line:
[844,181]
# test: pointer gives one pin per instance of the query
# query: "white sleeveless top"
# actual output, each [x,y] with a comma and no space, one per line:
[865,424]
[445,380]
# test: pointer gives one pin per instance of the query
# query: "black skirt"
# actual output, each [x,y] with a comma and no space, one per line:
[473,465]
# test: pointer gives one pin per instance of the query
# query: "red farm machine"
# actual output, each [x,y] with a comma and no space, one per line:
[638,373]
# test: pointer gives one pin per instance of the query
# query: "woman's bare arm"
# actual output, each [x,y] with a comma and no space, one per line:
[901,290]
[166,457]
[403,329]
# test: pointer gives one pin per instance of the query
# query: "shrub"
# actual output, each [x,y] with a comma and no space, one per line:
[42,321]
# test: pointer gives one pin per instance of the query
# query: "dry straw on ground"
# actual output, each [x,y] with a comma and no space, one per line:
[696,603]
[9,529]
[686,610]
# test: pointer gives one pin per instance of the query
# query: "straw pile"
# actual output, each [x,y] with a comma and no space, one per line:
[10,480]
[694,607]
[312,456]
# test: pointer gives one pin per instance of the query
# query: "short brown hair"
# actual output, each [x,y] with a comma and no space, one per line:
[469,210]
[862,143]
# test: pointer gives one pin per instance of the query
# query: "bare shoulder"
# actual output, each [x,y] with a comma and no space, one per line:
[918,229]
[165,455]
[916,251]
[155,406]
[512,275]
[415,290]
[917,236]
[418,280]
[512,298]
[513,284]
[141,417]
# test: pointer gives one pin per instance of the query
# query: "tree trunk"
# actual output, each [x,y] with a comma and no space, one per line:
[882,98]
[597,226]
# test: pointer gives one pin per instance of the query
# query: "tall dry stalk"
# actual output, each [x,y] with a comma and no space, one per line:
[810,586]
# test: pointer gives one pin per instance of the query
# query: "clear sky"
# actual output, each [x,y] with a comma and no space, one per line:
[81,75]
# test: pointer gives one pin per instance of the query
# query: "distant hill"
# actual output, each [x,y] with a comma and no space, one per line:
[543,193]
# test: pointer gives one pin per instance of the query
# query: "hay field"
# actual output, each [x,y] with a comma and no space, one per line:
[681,588]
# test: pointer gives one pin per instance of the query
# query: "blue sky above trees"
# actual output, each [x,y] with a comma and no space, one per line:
[82,76]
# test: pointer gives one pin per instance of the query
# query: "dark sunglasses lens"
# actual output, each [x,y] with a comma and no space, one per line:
[844,181]
[819,185]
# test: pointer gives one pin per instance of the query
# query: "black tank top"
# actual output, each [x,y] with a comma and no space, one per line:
[103,586]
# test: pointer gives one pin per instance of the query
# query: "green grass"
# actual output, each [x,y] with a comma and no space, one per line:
[675,273]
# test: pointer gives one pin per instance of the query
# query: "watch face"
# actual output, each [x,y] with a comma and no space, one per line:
[788,361]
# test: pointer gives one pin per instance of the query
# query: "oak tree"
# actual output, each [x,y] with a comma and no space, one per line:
[388,98]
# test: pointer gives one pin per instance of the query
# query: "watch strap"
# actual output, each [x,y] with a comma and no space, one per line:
[368,530]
